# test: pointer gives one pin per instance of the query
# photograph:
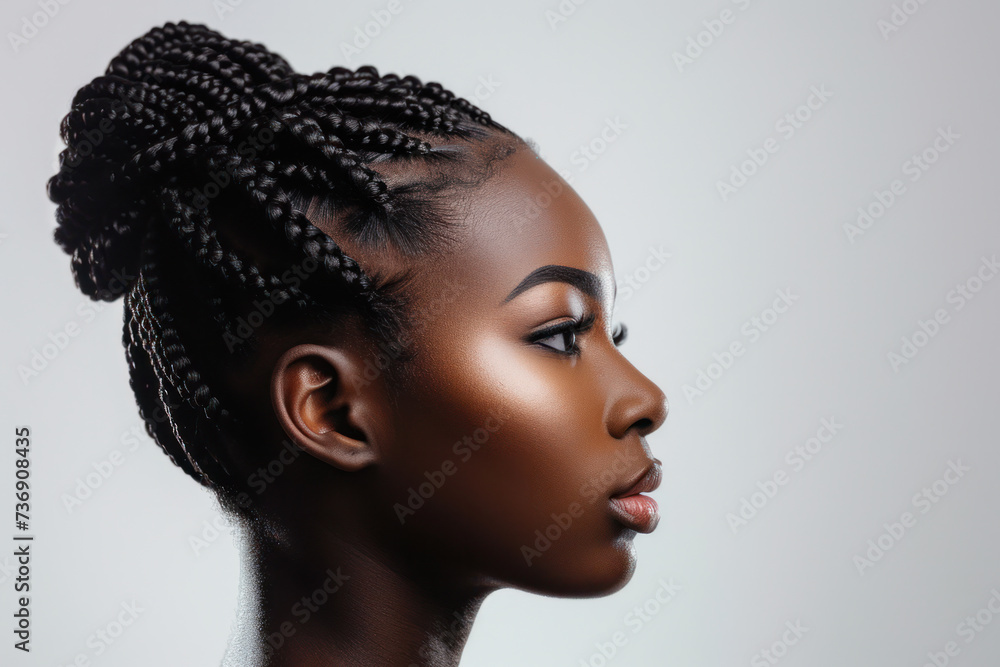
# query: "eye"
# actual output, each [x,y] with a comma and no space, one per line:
[561,341]
[562,337]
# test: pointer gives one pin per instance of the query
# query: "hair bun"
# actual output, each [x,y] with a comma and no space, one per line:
[101,220]
[151,91]
[103,212]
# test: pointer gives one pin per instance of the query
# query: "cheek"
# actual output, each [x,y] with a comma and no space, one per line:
[505,463]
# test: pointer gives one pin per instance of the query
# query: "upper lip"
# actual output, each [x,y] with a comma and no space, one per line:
[648,480]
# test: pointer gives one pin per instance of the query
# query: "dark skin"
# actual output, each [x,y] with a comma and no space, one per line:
[507,435]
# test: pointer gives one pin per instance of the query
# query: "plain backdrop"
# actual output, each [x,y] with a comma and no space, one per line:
[893,111]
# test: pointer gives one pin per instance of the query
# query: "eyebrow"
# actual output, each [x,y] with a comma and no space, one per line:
[585,281]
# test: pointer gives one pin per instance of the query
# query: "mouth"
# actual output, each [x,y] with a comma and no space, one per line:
[634,510]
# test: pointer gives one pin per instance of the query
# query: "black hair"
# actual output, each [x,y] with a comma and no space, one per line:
[187,171]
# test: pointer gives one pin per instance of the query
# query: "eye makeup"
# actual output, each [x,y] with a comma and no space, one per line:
[561,337]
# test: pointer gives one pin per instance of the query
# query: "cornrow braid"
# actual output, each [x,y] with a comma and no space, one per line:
[188,168]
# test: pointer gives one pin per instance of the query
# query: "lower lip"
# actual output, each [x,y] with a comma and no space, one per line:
[638,512]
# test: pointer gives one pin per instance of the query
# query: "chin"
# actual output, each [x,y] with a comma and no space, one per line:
[603,571]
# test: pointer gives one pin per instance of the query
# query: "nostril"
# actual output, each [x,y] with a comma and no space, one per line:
[644,425]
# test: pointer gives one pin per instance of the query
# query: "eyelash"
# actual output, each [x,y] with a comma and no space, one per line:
[575,327]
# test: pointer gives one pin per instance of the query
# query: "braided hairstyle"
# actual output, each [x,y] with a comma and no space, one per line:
[184,184]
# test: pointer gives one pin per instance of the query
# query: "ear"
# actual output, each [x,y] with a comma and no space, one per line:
[326,406]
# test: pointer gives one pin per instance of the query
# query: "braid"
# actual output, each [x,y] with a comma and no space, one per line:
[187,169]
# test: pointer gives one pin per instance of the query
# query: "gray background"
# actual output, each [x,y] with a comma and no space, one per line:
[654,185]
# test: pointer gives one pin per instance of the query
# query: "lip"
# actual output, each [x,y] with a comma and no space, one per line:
[634,510]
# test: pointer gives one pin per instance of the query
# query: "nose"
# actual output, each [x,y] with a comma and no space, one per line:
[639,405]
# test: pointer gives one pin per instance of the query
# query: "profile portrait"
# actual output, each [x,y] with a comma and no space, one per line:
[374,322]
[541,333]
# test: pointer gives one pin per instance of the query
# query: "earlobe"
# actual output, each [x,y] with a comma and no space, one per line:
[323,408]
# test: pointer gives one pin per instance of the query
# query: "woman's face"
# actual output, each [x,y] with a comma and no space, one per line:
[503,441]
[507,441]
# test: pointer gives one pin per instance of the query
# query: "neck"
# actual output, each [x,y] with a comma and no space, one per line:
[351,607]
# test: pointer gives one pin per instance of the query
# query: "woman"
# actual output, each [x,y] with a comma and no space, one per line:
[377,325]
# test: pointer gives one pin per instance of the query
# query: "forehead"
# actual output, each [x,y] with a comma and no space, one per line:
[524,217]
